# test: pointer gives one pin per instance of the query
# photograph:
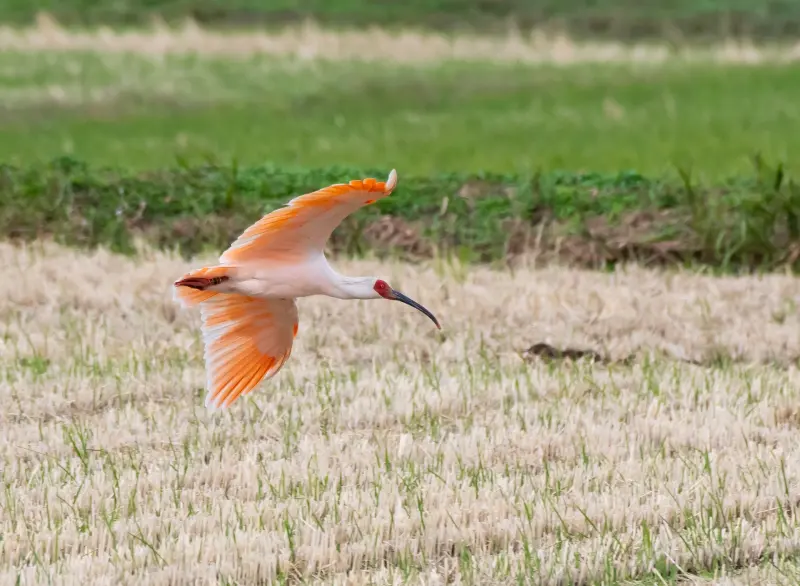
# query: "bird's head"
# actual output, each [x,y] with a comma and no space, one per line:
[383,289]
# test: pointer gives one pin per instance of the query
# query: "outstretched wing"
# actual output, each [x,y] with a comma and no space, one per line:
[303,226]
[247,340]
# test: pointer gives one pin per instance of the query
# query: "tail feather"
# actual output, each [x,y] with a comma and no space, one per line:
[196,287]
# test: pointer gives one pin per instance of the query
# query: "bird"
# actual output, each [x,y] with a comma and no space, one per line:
[248,300]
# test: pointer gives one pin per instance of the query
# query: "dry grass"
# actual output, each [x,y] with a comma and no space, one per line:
[388,448]
[767,575]
[310,41]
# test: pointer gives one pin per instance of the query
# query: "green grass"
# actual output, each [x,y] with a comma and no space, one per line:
[633,19]
[593,219]
[138,114]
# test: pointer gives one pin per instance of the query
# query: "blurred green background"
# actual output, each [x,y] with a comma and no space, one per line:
[500,118]
[129,111]
[610,19]
[142,110]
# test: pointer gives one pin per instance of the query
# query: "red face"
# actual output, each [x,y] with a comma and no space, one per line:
[383,289]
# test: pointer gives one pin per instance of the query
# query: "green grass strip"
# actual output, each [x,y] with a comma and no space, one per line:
[593,220]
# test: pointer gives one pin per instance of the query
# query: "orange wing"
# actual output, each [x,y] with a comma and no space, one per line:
[303,226]
[246,339]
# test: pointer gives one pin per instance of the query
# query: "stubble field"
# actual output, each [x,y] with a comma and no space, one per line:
[388,452]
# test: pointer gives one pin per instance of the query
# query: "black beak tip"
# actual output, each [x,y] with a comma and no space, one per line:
[397,296]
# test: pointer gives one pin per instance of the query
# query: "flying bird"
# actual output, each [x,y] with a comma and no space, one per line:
[248,300]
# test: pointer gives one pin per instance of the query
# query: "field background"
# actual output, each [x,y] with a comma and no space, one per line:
[596,198]
[614,19]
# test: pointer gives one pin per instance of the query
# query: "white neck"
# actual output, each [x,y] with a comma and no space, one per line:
[357,287]
[344,287]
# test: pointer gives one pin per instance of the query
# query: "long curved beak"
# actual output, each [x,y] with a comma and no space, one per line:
[397,296]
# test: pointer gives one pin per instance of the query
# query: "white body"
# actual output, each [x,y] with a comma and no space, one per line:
[314,276]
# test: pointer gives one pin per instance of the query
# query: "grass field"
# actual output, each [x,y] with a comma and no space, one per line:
[649,114]
[395,451]
[134,113]
[388,452]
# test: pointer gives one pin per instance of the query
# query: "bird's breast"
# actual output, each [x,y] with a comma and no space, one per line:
[281,281]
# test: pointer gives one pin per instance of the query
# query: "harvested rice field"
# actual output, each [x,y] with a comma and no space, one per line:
[387,452]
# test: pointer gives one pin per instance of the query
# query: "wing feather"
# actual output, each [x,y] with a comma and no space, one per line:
[303,227]
[247,340]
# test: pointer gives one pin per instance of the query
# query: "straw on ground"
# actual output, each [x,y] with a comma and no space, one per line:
[392,451]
